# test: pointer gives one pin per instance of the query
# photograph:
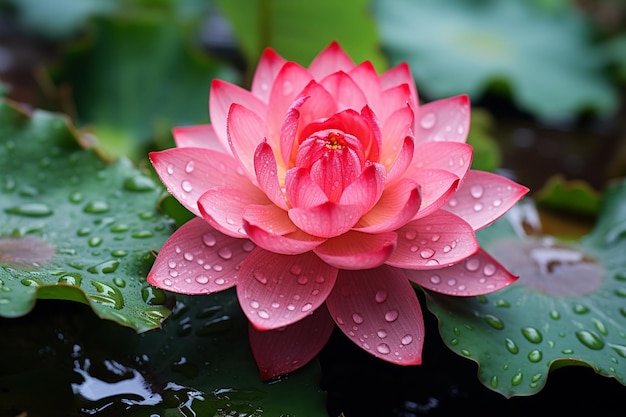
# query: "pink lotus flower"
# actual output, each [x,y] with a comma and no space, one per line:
[323,194]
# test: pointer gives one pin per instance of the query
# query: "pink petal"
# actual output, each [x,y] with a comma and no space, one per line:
[476,275]
[265,73]
[366,190]
[221,97]
[398,75]
[270,218]
[393,99]
[394,133]
[436,186]
[355,250]
[441,239]
[444,120]
[190,172]
[293,243]
[281,351]
[365,76]
[347,94]
[401,161]
[267,174]
[450,156]
[484,197]
[289,131]
[278,290]
[198,259]
[379,311]
[288,85]
[396,207]
[326,220]
[330,60]
[223,207]
[301,190]
[198,136]
[246,131]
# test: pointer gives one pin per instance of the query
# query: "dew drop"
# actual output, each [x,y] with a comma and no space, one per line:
[472,264]
[188,256]
[186,186]
[248,246]
[427,253]
[435,279]
[296,269]
[202,279]
[139,183]
[532,334]
[476,191]
[428,121]
[406,339]
[306,307]
[254,304]
[189,167]
[225,253]
[590,339]
[97,207]
[391,315]
[410,234]
[489,269]
[303,279]
[30,210]
[383,348]
[381,333]
[494,321]
[517,378]
[381,296]
[535,356]
[580,309]
[478,207]
[264,314]
[209,240]
[287,88]
[357,318]
[511,346]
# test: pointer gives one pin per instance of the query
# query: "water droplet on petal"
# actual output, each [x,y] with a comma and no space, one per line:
[381,296]
[225,253]
[296,269]
[189,167]
[202,279]
[428,121]
[264,314]
[427,253]
[476,191]
[357,318]
[209,240]
[259,276]
[472,264]
[406,339]
[306,307]
[186,186]
[391,315]
[381,333]
[383,348]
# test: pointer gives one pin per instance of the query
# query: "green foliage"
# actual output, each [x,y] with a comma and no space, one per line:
[567,308]
[544,57]
[199,363]
[299,30]
[73,227]
[136,79]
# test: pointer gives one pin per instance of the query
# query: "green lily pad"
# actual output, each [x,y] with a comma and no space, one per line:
[199,363]
[300,30]
[572,197]
[544,57]
[137,77]
[73,227]
[567,308]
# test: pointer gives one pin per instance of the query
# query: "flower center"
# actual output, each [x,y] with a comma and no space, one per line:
[334,160]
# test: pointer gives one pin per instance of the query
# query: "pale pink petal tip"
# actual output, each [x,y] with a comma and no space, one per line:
[476,275]
[197,259]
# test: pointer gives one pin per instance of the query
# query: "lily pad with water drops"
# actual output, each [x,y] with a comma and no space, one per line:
[73,227]
[567,308]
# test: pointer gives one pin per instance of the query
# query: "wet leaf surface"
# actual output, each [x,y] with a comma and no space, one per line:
[566,308]
[73,227]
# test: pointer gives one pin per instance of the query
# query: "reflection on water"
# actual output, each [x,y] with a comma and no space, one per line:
[134,391]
